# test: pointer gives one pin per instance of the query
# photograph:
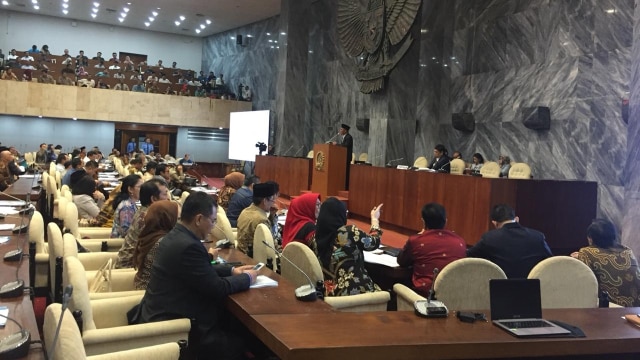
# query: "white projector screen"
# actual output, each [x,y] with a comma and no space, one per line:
[246,129]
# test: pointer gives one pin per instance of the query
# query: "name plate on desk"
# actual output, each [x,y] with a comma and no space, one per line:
[402,167]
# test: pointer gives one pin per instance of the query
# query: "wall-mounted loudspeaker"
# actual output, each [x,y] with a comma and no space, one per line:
[463,122]
[238,39]
[362,124]
[536,118]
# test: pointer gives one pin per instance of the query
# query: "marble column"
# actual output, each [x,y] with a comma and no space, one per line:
[630,224]
[291,126]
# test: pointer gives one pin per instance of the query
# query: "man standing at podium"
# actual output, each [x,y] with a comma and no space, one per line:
[345,139]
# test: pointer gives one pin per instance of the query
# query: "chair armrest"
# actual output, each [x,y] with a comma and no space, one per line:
[108,313]
[102,341]
[406,297]
[94,260]
[373,301]
[168,351]
[115,294]
[95,244]
[95,232]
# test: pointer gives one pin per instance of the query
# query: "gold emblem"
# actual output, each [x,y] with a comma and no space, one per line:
[319,161]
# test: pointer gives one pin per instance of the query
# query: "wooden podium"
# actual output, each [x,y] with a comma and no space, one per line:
[329,169]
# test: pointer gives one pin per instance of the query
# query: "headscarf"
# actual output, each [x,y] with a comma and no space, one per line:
[161,217]
[332,216]
[301,211]
[232,182]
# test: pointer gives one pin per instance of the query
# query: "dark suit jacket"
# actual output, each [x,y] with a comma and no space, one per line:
[348,143]
[513,247]
[443,164]
[184,284]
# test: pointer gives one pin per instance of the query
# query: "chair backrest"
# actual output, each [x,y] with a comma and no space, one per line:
[565,282]
[421,162]
[490,169]
[36,233]
[70,345]
[363,157]
[464,284]
[371,301]
[260,251]
[71,219]
[457,166]
[52,168]
[58,177]
[223,229]
[353,158]
[183,197]
[54,235]
[520,171]
[28,157]
[310,154]
[76,276]
[406,297]
[301,255]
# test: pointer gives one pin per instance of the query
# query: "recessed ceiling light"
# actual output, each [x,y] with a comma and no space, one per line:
[123,14]
[65,5]
[120,19]
[154,13]
[65,11]
[283,33]
[270,40]
[275,41]
[37,7]
[147,24]
[93,15]
[177,23]
[197,31]
[182,18]
[249,35]
[74,119]
[232,37]
[208,22]
[125,10]
[66,1]
[94,10]
[151,18]
[34,1]
[5,2]
[96,4]
[202,26]
[610,11]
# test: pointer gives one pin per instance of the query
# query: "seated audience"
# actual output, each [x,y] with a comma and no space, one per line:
[124,206]
[45,78]
[340,249]
[99,65]
[87,199]
[186,160]
[98,57]
[241,199]
[150,171]
[150,192]
[264,197]
[613,264]
[128,64]
[121,86]
[159,220]
[301,220]
[139,87]
[456,155]
[433,247]
[114,58]
[164,80]
[441,161]
[478,162]
[81,59]
[505,165]
[8,74]
[184,284]
[232,182]
[76,164]
[513,247]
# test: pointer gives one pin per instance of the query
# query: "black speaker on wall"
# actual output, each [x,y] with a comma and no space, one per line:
[362,124]
[536,118]
[463,122]
[238,39]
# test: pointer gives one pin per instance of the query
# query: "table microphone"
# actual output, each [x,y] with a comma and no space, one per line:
[16,345]
[441,168]
[389,163]
[304,292]
[334,136]
[13,288]
[66,296]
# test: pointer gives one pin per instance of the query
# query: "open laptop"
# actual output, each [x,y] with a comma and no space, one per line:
[516,307]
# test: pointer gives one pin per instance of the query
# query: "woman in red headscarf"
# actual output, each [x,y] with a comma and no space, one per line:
[301,220]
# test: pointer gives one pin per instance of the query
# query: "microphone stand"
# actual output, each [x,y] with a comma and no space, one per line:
[334,136]
[304,292]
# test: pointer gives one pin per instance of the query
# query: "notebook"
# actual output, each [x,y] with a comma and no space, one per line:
[516,307]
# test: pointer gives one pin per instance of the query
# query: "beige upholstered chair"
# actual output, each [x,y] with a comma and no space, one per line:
[260,251]
[310,154]
[457,166]
[421,162]
[519,171]
[183,197]
[69,345]
[464,284]
[92,233]
[223,229]
[53,193]
[105,324]
[28,157]
[353,158]
[301,255]
[58,177]
[36,235]
[566,282]
[490,169]
[52,168]
[363,157]
[406,297]
[120,282]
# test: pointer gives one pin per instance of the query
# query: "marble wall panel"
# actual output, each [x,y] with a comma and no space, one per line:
[612,30]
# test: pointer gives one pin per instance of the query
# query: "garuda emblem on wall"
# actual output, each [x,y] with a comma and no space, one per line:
[369,35]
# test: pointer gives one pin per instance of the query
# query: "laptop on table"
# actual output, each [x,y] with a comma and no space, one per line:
[516,307]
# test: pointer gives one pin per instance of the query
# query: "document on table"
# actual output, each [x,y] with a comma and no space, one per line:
[263,281]
[4,203]
[8,210]
[382,259]
[6,227]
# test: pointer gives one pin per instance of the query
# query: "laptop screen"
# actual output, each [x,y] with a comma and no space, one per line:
[515,299]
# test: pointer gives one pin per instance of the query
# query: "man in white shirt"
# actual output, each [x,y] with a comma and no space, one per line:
[164,80]
[26,57]
[114,67]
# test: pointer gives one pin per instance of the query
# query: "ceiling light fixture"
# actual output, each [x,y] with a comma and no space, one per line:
[182,18]
[208,22]
[94,10]
[93,15]
[34,1]
[5,2]
[151,18]
[37,7]
[65,5]
[232,37]
[123,14]
[283,33]
[125,10]
[155,13]
[147,24]
[197,31]
[96,4]
[65,11]
[120,19]
[177,23]
[268,34]
[66,1]
[202,26]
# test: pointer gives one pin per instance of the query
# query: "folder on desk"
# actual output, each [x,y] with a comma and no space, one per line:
[264,281]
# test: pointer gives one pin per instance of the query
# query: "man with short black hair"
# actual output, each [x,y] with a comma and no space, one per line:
[432,248]
[150,192]
[184,284]
[346,140]
[264,198]
[76,164]
[241,199]
[147,146]
[513,247]
[150,171]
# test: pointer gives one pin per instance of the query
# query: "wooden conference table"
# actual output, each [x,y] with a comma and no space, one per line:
[312,330]
[21,307]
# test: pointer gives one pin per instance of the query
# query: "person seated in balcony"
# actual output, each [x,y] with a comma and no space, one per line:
[128,64]
[98,57]
[136,75]
[139,87]
[159,64]
[27,75]
[169,91]
[114,66]
[81,59]
[119,75]
[102,85]
[121,85]
[26,57]
[152,87]
[8,74]
[246,93]
[220,80]
[200,92]
[114,58]
[81,71]
[12,58]
[99,65]
[164,80]
[45,78]
[64,79]
[25,65]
